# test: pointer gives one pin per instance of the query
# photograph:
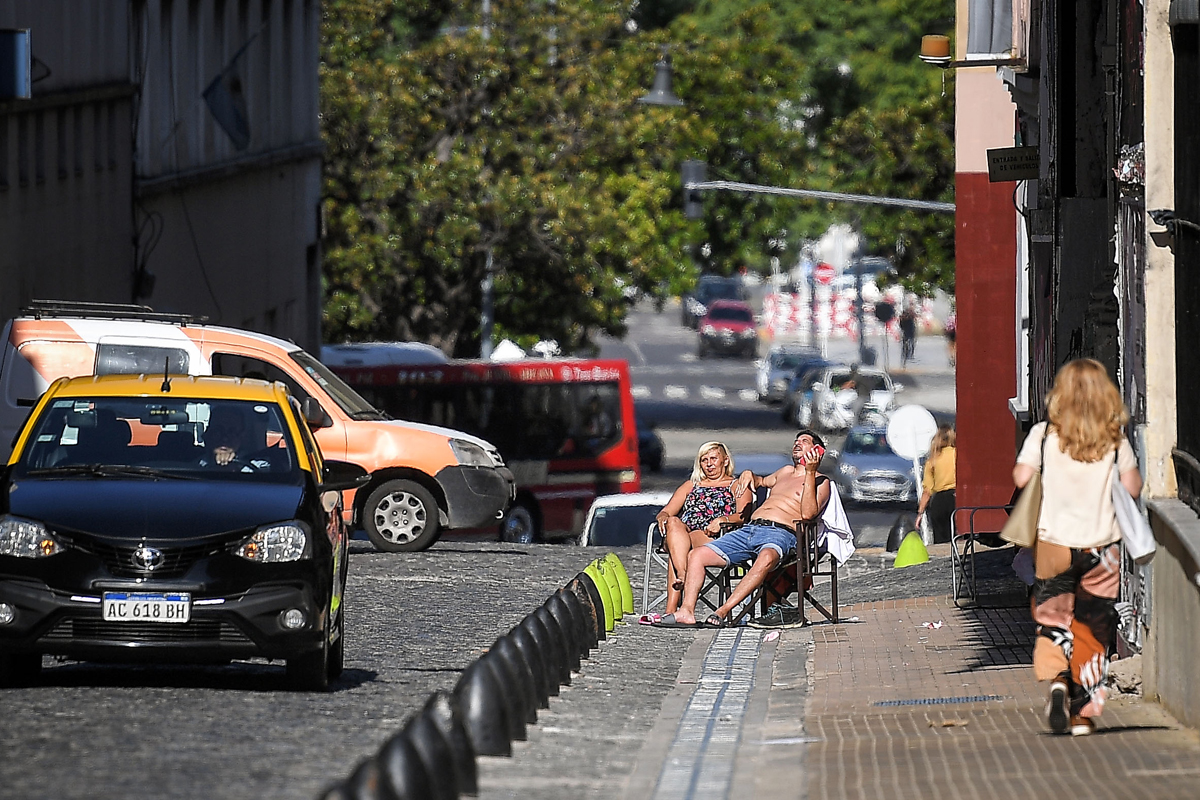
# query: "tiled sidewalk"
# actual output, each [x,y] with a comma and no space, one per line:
[900,710]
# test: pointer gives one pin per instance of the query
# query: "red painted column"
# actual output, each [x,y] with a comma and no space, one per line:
[985,289]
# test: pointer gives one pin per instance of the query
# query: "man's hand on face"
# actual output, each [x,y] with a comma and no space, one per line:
[812,459]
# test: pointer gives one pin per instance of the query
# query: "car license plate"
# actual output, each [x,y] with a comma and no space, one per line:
[147,607]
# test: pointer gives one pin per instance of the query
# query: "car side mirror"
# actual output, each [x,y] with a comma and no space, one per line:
[342,475]
[818,387]
[897,388]
[314,415]
[832,453]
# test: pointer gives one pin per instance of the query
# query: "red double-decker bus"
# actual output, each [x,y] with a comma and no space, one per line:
[565,427]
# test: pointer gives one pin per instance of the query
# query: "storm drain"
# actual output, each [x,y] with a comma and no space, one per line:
[699,764]
[941,701]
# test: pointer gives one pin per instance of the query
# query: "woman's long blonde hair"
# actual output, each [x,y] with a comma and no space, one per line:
[698,474]
[1086,411]
[945,437]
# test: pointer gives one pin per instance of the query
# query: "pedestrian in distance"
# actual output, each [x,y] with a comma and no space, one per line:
[937,488]
[908,333]
[697,511]
[951,331]
[1076,555]
[798,495]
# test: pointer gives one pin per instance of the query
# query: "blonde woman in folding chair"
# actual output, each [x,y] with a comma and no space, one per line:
[797,493]
[695,513]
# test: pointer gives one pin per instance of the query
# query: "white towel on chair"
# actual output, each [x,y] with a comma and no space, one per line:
[834,521]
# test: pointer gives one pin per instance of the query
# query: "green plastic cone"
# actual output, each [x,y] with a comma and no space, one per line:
[622,580]
[912,551]
[614,588]
[606,598]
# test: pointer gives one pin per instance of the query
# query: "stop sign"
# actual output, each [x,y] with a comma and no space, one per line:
[823,273]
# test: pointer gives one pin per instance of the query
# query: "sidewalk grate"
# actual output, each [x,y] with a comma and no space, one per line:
[941,701]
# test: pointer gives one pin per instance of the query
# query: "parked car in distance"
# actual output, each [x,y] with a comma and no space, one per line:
[797,401]
[651,449]
[776,369]
[172,519]
[708,289]
[622,520]
[832,397]
[728,327]
[867,470]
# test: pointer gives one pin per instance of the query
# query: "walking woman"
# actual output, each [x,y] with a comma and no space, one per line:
[1077,560]
[694,514]
[937,495]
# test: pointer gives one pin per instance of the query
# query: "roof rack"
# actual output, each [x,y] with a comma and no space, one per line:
[84,308]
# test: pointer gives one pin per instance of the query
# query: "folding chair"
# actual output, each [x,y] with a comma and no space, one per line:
[796,572]
[962,550]
[653,556]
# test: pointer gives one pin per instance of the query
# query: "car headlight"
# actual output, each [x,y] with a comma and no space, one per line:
[849,470]
[25,538]
[708,330]
[469,454]
[749,333]
[272,544]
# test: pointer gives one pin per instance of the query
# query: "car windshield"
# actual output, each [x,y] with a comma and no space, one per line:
[787,361]
[868,443]
[349,400]
[731,314]
[718,290]
[160,437]
[621,526]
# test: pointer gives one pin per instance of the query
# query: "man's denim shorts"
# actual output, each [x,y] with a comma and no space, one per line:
[749,540]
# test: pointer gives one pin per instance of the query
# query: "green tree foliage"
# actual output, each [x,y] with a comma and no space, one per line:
[878,118]
[446,140]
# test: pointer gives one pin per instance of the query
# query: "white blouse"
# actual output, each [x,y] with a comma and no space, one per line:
[1077,509]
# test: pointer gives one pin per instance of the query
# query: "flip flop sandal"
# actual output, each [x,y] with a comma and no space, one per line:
[669,621]
[649,619]
[713,621]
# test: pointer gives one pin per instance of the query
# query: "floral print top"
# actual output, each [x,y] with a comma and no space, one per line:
[703,504]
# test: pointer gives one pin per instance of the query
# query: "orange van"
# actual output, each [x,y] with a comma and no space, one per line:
[424,478]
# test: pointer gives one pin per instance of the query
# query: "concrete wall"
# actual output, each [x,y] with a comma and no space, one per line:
[1171,648]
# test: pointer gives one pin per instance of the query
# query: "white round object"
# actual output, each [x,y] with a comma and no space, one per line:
[910,431]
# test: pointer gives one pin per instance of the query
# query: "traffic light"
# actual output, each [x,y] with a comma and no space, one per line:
[693,172]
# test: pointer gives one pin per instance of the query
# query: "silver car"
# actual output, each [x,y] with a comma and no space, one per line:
[776,370]
[868,470]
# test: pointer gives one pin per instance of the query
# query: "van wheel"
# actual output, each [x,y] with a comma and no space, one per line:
[401,517]
[519,525]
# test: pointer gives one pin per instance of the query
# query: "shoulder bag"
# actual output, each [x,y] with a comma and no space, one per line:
[1135,531]
[1021,527]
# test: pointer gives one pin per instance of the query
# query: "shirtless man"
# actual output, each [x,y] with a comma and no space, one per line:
[796,494]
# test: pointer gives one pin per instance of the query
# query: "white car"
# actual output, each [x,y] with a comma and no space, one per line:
[833,398]
[621,520]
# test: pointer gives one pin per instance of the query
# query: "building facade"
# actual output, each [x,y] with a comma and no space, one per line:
[1107,238]
[170,155]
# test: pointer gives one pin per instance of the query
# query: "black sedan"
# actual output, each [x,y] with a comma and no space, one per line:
[182,519]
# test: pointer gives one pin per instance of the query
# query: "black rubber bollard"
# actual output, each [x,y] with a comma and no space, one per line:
[583,601]
[369,781]
[435,755]
[572,632]
[510,695]
[548,649]
[900,528]
[442,710]
[597,604]
[339,791]
[506,651]
[559,644]
[524,641]
[485,715]
[587,638]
